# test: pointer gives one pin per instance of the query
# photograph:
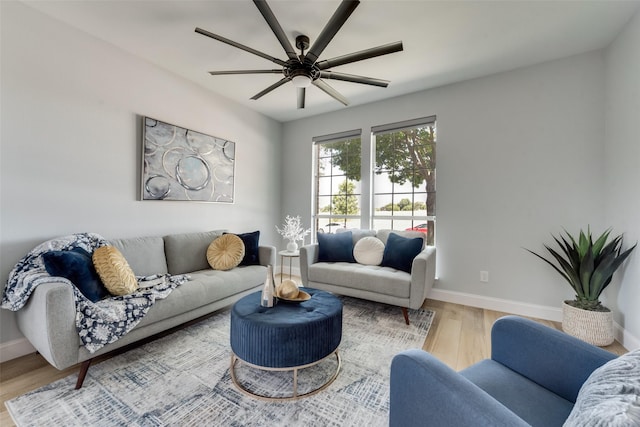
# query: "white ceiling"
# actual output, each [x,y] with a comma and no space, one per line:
[444,41]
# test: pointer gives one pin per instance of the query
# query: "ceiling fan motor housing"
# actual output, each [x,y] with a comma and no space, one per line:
[295,68]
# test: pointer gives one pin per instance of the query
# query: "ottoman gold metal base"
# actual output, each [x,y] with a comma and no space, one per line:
[235,359]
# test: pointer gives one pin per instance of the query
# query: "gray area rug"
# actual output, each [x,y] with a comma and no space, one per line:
[183,380]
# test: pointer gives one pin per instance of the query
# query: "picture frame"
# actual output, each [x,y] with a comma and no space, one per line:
[179,164]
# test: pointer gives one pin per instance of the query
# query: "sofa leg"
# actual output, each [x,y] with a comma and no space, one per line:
[83,373]
[405,313]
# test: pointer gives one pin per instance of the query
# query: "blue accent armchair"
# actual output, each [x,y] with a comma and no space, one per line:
[532,379]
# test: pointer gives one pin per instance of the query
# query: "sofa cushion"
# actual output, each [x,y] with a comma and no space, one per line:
[357,233]
[381,280]
[76,266]
[251,244]
[399,252]
[335,247]
[611,395]
[530,401]
[206,287]
[410,234]
[114,271]
[369,251]
[225,252]
[145,255]
[187,252]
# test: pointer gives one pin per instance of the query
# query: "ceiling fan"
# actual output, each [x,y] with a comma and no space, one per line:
[305,69]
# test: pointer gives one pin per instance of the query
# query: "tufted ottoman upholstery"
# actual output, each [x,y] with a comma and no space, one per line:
[287,336]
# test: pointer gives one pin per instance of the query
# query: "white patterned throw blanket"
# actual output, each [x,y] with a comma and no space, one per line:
[98,323]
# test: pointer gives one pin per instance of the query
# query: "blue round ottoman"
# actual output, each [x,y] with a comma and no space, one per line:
[288,336]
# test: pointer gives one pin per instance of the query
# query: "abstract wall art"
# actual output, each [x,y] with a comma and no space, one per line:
[181,164]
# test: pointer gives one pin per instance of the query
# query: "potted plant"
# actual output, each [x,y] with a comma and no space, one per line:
[588,266]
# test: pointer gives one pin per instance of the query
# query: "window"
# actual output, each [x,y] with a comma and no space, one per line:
[404,176]
[397,188]
[338,188]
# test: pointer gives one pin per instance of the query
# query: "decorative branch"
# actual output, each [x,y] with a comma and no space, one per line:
[292,229]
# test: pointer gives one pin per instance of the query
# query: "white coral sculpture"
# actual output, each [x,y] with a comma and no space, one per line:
[292,230]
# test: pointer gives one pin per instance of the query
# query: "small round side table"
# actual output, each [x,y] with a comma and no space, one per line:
[290,255]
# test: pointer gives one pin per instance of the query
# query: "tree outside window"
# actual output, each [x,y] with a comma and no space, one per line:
[338,187]
[404,184]
[403,179]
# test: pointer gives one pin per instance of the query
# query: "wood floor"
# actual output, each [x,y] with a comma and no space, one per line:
[459,336]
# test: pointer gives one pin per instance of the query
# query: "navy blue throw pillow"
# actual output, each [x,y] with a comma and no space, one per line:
[335,247]
[77,266]
[399,252]
[250,241]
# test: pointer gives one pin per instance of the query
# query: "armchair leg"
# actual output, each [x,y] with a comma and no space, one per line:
[405,313]
[83,373]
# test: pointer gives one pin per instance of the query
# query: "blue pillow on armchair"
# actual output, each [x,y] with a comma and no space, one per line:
[399,252]
[76,265]
[335,247]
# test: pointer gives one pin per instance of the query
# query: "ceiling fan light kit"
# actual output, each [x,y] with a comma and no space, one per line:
[304,70]
[301,81]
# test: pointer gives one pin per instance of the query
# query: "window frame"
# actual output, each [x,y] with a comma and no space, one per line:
[423,122]
[317,142]
[367,194]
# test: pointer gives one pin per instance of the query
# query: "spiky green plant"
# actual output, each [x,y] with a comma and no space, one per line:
[588,266]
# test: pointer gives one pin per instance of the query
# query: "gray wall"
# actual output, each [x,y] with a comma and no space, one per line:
[71,136]
[622,171]
[521,154]
[519,157]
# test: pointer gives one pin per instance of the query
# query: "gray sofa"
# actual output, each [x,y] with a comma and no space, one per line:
[48,318]
[372,282]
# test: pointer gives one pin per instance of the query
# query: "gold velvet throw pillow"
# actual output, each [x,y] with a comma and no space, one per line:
[225,252]
[114,271]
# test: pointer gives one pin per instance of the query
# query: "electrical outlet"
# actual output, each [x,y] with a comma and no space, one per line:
[484,276]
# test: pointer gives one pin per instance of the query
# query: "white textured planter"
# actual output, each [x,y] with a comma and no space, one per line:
[594,327]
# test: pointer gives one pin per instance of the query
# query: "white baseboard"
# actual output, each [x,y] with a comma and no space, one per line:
[497,304]
[15,348]
[629,341]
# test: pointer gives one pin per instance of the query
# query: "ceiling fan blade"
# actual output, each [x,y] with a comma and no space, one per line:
[222,73]
[268,15]
[239,46]
[301,97]
[360,55]
[330,91]
[353,78]
[270,88]
[338,19]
